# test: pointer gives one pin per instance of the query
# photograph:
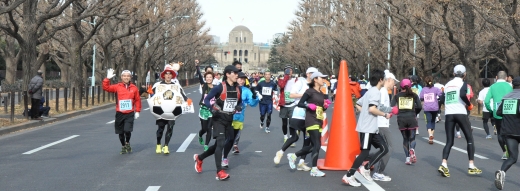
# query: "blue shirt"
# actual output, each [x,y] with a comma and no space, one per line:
[247,99]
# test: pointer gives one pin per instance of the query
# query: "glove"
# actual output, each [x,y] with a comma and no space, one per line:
[238,108]
[254,96]
[395,110]
[326,103]
[311,106]
[470,107]
[136,115]
[110,73]
[259,95]
[287,71]
[215,108]
[190,102]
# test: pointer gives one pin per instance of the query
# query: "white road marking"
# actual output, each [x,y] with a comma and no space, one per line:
[49,145]
[111,121]
[258,151]
[477,128]
[372,186]
[195,91]
[456,148]
[188,93]
[147,109]
[153,188]
[186,143]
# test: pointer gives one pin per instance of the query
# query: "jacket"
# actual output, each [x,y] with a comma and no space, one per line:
[509,110]
[247,99]
[356,89]
[128,98]
[35,87]
[496,92]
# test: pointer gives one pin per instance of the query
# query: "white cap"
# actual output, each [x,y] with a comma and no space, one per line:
[389,75]
[312,70]
[317,74]
[459,69]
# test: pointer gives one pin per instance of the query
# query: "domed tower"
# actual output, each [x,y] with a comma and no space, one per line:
[241,45]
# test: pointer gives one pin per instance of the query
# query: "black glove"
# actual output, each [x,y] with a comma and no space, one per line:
[238,108]
[254,95]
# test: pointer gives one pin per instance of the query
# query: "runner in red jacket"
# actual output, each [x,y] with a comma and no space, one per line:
[128,106]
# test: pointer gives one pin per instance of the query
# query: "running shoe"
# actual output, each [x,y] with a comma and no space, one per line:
[225,163]
[201,141]
[444,171]
[235,149]
[284,140]
[165,149]
[292,160]
[278,157]
[474,170]
[317,173]
[261,125]
[293,145]
[350,181]
[500,178]
[407,161]
[128,148]
[123,150]
[365,173]
[222,175]
[504,157]
[458,134]
[489,137]
[198,163]
[413,158]
[158,149]
[267,130]
[206,147]
[417,131]
[365,163]
[430,140]
[437,120]
[381,177]
[303,166]
[495,129]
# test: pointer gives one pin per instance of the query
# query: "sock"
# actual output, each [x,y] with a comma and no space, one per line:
[301,161]
[281,150]
[445,164]
[471,165]
[285,136]
[314,168]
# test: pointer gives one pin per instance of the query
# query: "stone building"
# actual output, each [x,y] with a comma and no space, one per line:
[240,47]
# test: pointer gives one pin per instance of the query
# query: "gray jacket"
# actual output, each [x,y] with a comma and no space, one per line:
[35,86]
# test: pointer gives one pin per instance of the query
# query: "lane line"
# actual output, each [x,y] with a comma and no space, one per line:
[195,91]
[372,186]
[186,143]
[49,145]
[188,93]
[457,148]
[153,188]
[147,109]
[477,128]
[111,121]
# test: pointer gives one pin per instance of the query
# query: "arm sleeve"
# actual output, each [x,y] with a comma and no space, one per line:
[137,101]
[39,84]
[487,101]
[183,94]
[283,82]
[462,94]
[240,101]
[216,90]
[249,98]
[304,99]
[201,80]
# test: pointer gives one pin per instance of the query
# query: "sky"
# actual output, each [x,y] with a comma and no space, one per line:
[263,17]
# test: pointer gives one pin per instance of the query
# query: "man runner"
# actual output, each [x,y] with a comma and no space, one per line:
[496,91]
[265,91]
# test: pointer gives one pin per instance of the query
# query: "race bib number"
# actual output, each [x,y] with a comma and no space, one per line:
[429,97]
[319,113]
[230,104]
[267,90]
[187,108]
[509,107]
[125,105]
[287,98]
[415,90]
[451,97]
[405,103]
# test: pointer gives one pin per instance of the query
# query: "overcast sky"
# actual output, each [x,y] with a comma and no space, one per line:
[263,17]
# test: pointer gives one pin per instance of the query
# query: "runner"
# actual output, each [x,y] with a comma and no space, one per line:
[429,95]
[204,112]
[265,90]
[364,85]
[368,129]
[286,103]
[486,115]
[409,106]
[496,91]
[128,106]
[469,94]
[315,103]
[440,100]
[508,110]
[333,87]
[457,104]
[227,102]
[416,88]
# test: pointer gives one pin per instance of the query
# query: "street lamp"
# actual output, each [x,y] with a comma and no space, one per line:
[93,56]
[332,58]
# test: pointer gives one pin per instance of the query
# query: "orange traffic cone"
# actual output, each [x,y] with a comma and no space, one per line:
[343,144]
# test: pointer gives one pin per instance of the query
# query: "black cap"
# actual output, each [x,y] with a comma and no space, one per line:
[242,75]
[516,81]
[230,68]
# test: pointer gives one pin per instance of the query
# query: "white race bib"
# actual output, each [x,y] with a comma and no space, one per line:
[267,91]
[125,105]
[187,108]
[230,104]
[362,86]
[429,97]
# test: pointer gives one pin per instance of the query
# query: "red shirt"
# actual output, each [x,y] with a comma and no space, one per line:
[128,98]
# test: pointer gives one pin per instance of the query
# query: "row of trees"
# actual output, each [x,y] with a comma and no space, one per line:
[127,34]
[380,34]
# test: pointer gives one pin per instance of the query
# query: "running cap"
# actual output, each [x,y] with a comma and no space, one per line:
[516,81]
[459,69]
[406,82]
[312,70]
[317,74]
[389,75]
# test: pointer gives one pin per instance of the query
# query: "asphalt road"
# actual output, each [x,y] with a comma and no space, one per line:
[84,155]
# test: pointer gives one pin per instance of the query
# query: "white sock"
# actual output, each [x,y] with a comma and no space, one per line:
[314,168]
[285,136]
[445,164]
[281,151]
[301,161]
[471,165]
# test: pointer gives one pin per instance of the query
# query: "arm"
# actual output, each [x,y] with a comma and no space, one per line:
[394,101]
[184,94]
[283,82]
[137,101]
[421,96]
[201,80]
[248,95]
[487,101]
[304,99]
[38,86]
[418,106]
[462,94]
[216,90]
[107,87]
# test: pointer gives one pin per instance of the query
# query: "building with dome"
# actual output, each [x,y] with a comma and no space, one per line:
[241,47]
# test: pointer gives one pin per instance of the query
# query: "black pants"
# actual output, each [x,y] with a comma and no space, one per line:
[368,139]
[221,127]
[35,108]
[486,116]
[463,121]
[161,123]
[408,140]
[230,139]
[297,125]
[512,147]
[501,139]
[315,137]
[206,128]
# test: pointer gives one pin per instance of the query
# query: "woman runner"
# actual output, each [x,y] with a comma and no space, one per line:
[429,95]
[204,113]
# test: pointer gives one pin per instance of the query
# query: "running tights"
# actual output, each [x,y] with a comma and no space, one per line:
[122,137]
[463,121]
[168,135]
[206,128]
[229,142]
[284,125]
[408,141]
[512,148]
[217,150]
[383,150]
[501,139]
[315,137]
[268,121]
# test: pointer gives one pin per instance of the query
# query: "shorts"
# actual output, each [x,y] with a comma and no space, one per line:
[407,123]
[164,122]
[487,115]
[298,124]
[237,125]
[266,108]
[124,123]
[286,112]
[222,124]
[204,113]
[368,139]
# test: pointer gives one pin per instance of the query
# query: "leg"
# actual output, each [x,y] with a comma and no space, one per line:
[237,137]
[485,118]
[208,131]
[35,105]
[463,122]
[450,135]
[169,132]
[159,133]
[284,126]
[357,163]
[412,139]
[230,138]
[203,129]
[380,143]
[294,138]
[315,136]
[512,147]
[381,165]
[122,139]
[406,142]
[127,137]
[269,111]
[501,142]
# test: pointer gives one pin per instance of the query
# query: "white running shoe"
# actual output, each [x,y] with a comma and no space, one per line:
[303,166]
[407,161]
[317,173]
[381,177]
[350,181]
[458,134]
[278,157]
[417,131]
[292,160]
[500,177]
[365,173]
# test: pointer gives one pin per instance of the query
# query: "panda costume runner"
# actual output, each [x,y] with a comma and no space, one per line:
[227,102]
[167,95]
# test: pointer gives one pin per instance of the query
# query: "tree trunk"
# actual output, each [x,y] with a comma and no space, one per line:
[28,47]
[513,60]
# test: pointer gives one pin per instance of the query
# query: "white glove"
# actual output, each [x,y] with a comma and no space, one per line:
[110,74]
[258,95]
[136,115]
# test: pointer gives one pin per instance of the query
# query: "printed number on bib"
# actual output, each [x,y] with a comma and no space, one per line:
[429,97]
[509,107]
[452,97]
[267,90]
[125,105]
[187,108]
[230,104]
[319,113]
[405,103]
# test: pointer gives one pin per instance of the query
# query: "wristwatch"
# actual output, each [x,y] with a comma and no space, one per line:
[385,115]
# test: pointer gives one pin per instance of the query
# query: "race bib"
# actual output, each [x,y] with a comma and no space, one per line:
[187,108]
[125,105]
[509,107]
[287,98]
[230,104]
[319,112]
[362,86]
[267,90]
[405,103]
[429,97]
[451,97]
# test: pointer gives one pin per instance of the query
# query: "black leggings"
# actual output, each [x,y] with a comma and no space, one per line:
[168,135]
[408,141]
[220,128]
[463,121]
[206,128]
[268,121]
[512,147]
[284,125]
[230,139]
[501,139]
[315,137]
[294,137]
[122,137]
[379,142]
[486,116]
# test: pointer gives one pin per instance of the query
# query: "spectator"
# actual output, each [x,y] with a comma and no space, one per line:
[44,111]
[35,91]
